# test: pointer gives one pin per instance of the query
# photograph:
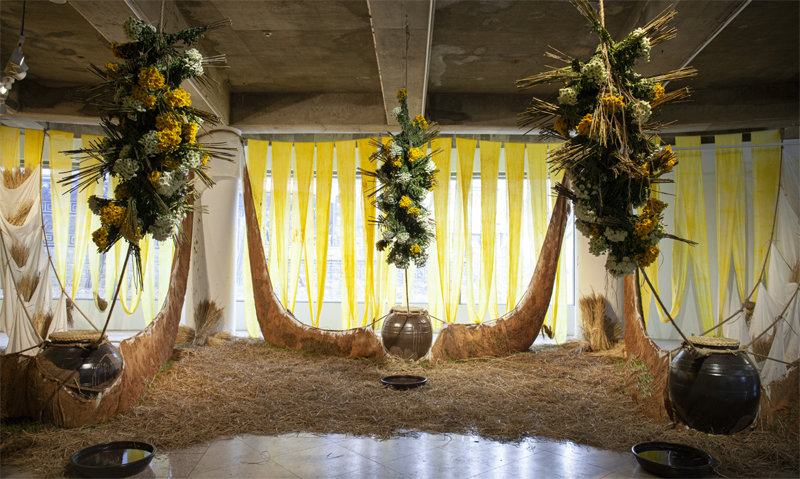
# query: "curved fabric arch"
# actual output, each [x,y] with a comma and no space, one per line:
[36,396]
[516,330]
[279,326]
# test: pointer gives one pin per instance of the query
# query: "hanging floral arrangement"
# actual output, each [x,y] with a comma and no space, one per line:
[150,145]
[611,155]
[406,173]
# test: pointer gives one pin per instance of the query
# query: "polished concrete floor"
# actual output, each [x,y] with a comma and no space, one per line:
[420,455]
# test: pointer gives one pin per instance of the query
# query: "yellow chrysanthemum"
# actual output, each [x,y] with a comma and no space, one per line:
[205,160]
[612,103]
[170,164]
[397,162]
[643,228]
[122,191]
[402,93]
[415,249]
[654,207]
[561,126]
[405,202]
[595,230]
[112,215]
[131,233]
[585,125]
[667,159]
[178,98]
[190,132]
[648,257]
[150,78]
[658,91]
[153,177]
[415,154]
[413,210]
[420,122]
[167,122]
[169,140]
[116,49]
[100,238]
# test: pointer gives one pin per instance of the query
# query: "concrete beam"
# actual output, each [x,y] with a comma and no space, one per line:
[107,17]
[403,61]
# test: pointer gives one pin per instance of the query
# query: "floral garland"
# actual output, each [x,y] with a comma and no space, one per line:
[604,112]
[406,174]
[150,146]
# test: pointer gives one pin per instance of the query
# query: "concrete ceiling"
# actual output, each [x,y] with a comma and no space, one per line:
[334,65]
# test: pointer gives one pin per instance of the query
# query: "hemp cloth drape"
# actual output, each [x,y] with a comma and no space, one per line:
[731,232]
[690,223]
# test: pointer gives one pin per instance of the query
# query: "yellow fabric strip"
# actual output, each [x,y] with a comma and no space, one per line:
[449,250]
[558,316]
[537,179]
[60,165]
[366,147]
[9,147]
[346,175]
[304,172]
[515,179]
[148,280]
[466,157]
[34,141]
[690,223]
[731,233]
[83,222]
[165,251]
[766,178]
[279,234]
[652,273]
[257,153]
[490,164]
[323,212]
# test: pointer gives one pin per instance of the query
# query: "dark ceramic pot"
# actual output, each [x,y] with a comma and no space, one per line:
[717,393]
[81,363]
[407,334]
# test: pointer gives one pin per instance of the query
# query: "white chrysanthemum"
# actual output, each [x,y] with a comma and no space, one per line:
[420,259]
[397,112]
[164,226]
[615,236]
[403,237]
[132,104]
[567,96]
[126,151]
[594,71]
[170,182]
[387,234]
[133,28]
[620,267]
[126,168]
[403,177]
[641,111]
[193,159]
[598,245]
[193,60]
[430,166]
[149,141]
[389,198]
[395,149]
[584,212]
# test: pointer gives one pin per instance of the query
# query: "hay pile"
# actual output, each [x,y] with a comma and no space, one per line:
[250,388]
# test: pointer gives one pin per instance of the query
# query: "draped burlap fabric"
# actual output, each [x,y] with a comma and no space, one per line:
[516,330]
[26,392]
[279,327]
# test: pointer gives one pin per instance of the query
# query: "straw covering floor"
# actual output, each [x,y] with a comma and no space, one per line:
[247,387]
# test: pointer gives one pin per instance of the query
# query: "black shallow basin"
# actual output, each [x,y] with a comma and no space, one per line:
[667,459]
[113,459]
[403,382]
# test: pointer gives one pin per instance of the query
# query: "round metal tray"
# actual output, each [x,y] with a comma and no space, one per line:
[113,459]
[403,382]
[667,459]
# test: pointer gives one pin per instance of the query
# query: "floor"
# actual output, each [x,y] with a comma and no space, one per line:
[422,455]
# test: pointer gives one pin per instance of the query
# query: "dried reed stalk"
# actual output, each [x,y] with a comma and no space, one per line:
[19,253]
[18,218]
[27,286]
[15,177]
[206,318]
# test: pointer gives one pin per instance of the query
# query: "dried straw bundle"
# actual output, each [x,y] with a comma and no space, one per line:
[15,177]
[41,323]
[247,387]
[598,329]
[27,286]
[19,253]
[18,218]
[220,339]
[206,317]
[185,335]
